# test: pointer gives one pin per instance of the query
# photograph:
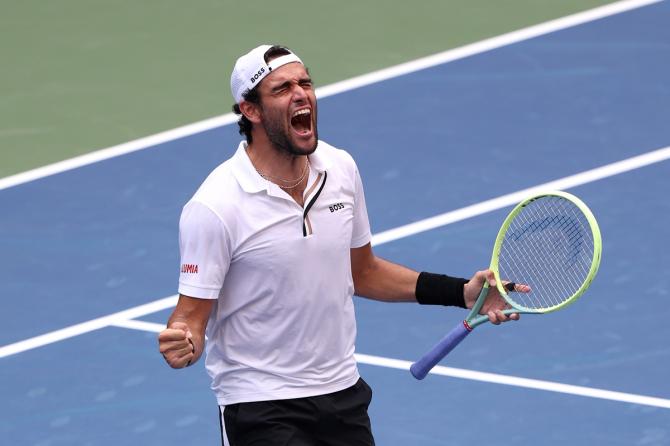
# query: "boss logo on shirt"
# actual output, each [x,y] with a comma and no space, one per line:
[336,207]
[189,268]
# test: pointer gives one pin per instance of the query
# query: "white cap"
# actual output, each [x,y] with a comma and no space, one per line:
[251,68]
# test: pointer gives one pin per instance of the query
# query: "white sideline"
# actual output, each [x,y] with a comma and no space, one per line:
[85,327]
[588,176]
[599,173]
[333,89]
[134,324]
[483,207]
[126,318]
[508,380]
[472,375]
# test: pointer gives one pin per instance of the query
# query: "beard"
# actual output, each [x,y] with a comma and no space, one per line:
[280,136]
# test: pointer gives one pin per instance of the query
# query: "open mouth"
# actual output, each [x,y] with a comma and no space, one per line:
[301,121]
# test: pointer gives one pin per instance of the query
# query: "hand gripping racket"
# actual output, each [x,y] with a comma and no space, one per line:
[550,242]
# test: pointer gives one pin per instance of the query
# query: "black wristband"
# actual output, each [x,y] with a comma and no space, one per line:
[438,289]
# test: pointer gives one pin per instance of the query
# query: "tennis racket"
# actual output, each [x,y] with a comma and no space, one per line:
[551,243]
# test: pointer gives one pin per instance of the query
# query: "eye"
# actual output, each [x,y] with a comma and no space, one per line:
[282,88]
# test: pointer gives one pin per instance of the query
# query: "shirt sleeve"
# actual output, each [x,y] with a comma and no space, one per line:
[205,250]
[360,234]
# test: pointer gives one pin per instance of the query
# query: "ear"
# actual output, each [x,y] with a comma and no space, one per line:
[251,111]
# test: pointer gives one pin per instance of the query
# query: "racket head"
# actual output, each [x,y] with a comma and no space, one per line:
[550,242]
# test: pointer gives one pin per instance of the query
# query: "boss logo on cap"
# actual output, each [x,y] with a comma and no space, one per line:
[257,75]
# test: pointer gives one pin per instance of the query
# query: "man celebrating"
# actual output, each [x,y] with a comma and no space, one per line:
[274,244]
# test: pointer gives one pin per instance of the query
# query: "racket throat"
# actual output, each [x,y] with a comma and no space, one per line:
[467,325]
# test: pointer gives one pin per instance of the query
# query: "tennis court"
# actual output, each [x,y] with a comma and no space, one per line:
[445,146]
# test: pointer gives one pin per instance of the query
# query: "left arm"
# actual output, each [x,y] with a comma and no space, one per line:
[379,279]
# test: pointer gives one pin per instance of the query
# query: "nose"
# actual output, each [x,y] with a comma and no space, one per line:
[298,93]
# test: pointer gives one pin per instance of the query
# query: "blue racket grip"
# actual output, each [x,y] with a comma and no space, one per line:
[421,368]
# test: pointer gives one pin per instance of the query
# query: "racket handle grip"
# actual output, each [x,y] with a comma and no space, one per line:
[421,368]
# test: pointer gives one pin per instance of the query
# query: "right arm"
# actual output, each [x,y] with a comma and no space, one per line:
[183,341]
[203,245]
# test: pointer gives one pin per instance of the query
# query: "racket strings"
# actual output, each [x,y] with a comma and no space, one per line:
[549,246]
[554,227]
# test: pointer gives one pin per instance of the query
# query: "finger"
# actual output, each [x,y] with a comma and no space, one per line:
[177,325]
[497,316]
[490,278]
[176,355]
[171,334]
[483,277]
[179,358]
[517,287]
[179,363]
[170,346]
[189,358]
[502,317]
[493,317]
[184,352]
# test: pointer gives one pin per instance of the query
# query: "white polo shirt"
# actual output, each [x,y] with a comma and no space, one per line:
[283,324]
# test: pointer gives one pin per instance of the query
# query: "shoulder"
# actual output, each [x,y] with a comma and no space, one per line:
[216,195]
[221,178]
[335,158]
[219,186]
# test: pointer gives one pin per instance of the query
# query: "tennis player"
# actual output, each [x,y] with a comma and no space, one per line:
[274,244]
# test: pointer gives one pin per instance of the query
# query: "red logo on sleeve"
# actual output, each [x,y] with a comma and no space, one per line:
[189,268]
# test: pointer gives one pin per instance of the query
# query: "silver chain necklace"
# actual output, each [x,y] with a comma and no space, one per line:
[287,183]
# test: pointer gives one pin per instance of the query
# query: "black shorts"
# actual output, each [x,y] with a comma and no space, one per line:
[334,419]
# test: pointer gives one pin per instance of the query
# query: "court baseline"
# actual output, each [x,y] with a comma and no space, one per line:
[387,236]
[127,318]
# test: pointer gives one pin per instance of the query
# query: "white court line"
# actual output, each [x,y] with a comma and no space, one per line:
[599,173]
[333,89]
[483,207]
[139,325]
[473,375]
[85,327]
[124,318]
[486,45]
[520,382]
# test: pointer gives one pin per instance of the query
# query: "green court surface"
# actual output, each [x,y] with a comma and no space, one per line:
[81,75]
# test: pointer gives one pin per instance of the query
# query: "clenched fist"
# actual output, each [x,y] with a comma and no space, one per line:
[176,345]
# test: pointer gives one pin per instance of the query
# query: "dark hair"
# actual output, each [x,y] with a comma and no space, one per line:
[253,96]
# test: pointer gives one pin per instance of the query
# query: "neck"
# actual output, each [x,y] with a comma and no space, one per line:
[276,163]
[289,172]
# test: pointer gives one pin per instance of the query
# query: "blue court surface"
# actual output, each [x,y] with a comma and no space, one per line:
[102,239]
